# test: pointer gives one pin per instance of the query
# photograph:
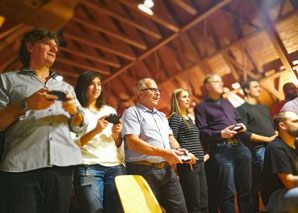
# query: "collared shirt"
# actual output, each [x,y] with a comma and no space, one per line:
[39,138]
[151,126]
[212,116]
[291,106]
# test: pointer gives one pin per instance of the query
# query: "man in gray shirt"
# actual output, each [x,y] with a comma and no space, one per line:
[36,166]
[150,147]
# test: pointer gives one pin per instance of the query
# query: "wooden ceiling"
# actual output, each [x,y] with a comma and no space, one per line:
[177,46]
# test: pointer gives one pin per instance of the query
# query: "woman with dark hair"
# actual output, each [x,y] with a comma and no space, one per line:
[99,143]
[192,179]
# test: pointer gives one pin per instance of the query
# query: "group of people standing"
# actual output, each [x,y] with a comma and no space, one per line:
[53,145]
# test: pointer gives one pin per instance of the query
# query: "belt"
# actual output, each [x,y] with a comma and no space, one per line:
[147,163]
[232,141]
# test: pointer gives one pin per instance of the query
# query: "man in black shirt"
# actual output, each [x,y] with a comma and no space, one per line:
[259,133]
[280,174]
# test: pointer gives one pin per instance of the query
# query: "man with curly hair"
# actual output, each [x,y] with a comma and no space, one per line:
[37,164]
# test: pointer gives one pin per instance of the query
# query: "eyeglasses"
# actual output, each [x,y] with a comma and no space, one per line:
[154,90]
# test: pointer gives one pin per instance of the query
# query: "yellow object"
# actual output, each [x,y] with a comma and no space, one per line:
[136,195]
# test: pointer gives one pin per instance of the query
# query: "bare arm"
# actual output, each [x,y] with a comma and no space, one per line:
[173,142]
[116,129]
[260,138]
[140,146]
[290,181]
[101,125]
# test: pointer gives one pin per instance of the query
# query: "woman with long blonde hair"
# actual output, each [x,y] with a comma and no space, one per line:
[193,180]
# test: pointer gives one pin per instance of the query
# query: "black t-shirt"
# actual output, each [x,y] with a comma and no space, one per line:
[279,158]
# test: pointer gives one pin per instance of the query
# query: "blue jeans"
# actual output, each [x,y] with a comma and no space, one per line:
[258,157]
[234,168]
[95,188]
[194,186]
[164,184]
[283,200]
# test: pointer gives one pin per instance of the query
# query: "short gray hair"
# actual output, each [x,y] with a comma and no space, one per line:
[140,85]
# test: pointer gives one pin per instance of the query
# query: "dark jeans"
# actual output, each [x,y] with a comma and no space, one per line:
[211,174]
[194,186]
[234,168]
[45,190]
[257,169]
[164,185]
[95,188]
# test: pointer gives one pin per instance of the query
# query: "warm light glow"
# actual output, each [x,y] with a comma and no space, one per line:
[235,99]
[270,72]
[59,78]
[2,19]
[295,62]
[149,3]
[145,9]
[235,85]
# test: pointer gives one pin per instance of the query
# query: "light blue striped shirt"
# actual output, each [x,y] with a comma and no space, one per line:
[39,138]
[151,126]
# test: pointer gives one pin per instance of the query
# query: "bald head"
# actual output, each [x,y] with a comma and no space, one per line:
[286,122]
[290,91]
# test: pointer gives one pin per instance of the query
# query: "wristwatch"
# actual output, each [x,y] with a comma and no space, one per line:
[23,105]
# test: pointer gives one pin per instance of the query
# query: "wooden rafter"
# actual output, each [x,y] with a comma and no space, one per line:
[135,23]
[166,20]
[82,66]
[98,44]
[186,6]
[277,42]
[169,38]
[91,57]
[116,35]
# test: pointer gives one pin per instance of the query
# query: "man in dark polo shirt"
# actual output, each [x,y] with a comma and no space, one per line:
[280,174]
[216,118]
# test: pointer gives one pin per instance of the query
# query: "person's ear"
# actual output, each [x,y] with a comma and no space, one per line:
[282,125]
[140,94]
[246,90]
[29,47]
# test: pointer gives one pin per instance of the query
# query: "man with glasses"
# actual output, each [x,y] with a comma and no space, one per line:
[290,92]
[217,119]
[150,147]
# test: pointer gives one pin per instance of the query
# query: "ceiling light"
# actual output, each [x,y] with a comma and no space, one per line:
[145,9]
[59,77]
[149,3]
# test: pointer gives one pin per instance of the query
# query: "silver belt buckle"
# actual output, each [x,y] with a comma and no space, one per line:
[233,141]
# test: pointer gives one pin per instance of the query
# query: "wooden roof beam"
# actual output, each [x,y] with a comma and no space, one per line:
[186,6]
[82,66]
[97,44]
[276,41]
[116,35]
[121,18]
[169,38]
[166,20]
[91,57]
